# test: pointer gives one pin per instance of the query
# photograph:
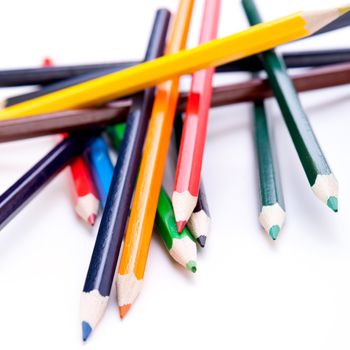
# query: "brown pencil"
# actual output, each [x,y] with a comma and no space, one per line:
[62,122]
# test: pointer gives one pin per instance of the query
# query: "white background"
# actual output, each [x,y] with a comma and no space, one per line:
[249,292]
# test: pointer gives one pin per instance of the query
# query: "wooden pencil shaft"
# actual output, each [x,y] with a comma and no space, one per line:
[269,180]
[50,75]
[252,90]
[62,85]
[113,222]
[101,166]
[34,180]
[304,139]
[251,41]
[202,203]
[139,231]
[60,122]
[252,63]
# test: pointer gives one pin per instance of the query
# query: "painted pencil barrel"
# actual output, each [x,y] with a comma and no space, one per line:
[111,231]
[272,209]
[317,170]
[148,74]
[101,167]
[181,246]
[58,77]
[34,180]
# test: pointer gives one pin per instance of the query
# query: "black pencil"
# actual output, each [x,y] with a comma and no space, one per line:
[199,222]
[55,78]
[104,258]
[34,180]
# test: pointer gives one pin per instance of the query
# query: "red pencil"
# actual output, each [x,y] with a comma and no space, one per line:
[85,198]
[85,195]
[189,164]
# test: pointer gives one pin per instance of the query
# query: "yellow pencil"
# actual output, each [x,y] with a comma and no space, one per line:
[216,52]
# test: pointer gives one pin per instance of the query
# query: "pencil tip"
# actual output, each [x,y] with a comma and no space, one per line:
[274,231]
[180,225]
[201,240]
[332,203]
[191,266]
[123,310]
[86,328]
[92,219]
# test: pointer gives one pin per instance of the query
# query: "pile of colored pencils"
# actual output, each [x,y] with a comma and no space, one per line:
[135,106]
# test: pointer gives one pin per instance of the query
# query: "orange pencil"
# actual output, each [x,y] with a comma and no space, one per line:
[143,210]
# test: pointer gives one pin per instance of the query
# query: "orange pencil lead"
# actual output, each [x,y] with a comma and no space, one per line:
[123,310]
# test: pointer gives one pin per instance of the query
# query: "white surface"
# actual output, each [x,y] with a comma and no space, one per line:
[249,292]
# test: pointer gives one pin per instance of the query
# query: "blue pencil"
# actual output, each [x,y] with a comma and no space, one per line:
[101,167]
[104,258]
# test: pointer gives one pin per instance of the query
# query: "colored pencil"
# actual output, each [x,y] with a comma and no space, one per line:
[101,167]
[86,200]
[181,246]
[103,262]
[199,222]
[219,51]
[34,180]
[52,75]
[64,74]
[272,210]
[320,177]
[189,162]
[11,101]
[258,89]
[85,197]
[139,231]
[61,122]
[292,60]
[254,89]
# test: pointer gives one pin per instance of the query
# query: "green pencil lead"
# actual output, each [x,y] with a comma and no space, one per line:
[333,203]
[274,231]
[191,266]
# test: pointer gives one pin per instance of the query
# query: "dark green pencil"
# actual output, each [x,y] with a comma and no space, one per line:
[322,181]
[272,210]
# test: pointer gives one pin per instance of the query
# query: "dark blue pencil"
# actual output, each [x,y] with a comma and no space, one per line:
[101,167]
[104,258]
[34,180]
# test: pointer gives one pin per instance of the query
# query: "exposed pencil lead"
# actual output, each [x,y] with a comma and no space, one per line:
[274,232]
[86,330]
[123,310]
[201,241]
[332,203]
[180,226]
[191,266]
[92,219]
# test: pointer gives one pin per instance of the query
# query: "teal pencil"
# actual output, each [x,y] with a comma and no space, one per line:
[320,177]
[272,210]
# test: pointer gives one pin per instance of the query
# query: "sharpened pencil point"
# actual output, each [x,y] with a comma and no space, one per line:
[180,225]
[201,241]
[86,328]
[332,203]
[123,310]
[92,219]
[191,266]
[274,231]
